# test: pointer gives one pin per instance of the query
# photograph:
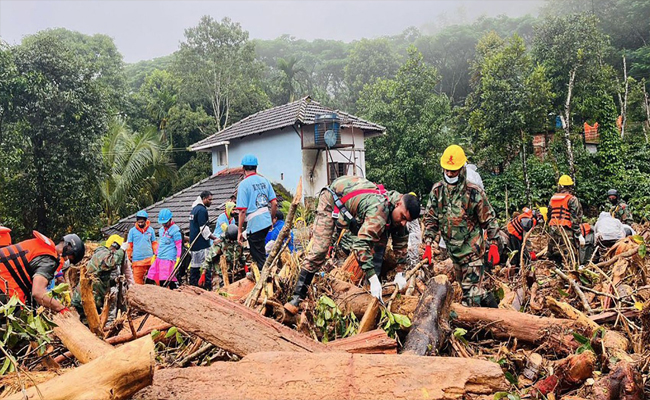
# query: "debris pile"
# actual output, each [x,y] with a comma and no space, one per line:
[559,332]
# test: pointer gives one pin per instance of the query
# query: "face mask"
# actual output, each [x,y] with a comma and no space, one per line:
[613,200]
[451,181]
[66,264]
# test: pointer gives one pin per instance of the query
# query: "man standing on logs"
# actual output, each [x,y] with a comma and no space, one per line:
[459,211]
[254,196]
[565,217]
[27,267]
[371,214]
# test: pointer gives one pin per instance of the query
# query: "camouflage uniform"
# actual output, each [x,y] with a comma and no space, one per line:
[372,213]
[233,251]
[104,266]
[622,212]
[557,242]
[460,213]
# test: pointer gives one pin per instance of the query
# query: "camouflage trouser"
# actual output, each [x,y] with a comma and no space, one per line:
[469,274]
[561,244]
[323,230]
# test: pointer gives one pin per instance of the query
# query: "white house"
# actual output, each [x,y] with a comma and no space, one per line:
[289,142]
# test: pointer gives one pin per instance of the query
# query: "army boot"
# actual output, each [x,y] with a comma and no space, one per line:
[300,292]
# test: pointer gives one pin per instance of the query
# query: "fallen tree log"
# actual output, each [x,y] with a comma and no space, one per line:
[335,376]
[80,341]
[350,298]
[116,375]
[372,342]
[224,323]
[623,383]
[429,329]
[504,324]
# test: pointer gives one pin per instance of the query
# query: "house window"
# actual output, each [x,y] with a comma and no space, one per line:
[221,158]
[338,169]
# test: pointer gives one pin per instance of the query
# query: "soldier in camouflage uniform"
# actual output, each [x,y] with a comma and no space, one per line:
[619,209]
[105,265]
[371,214]
[226,245]
[459,211]
[565,217]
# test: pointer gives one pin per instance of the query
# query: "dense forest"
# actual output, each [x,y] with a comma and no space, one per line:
[87,139]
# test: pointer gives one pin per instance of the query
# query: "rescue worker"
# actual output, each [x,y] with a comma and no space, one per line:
[371,214]
[225,246]
[565,217]
[224,219]
[141,246]
[619,209]
[257,205]
[517,229]
[169,252]
[27,267]
[200,238]
[104,268]
[278,224]
[459,212]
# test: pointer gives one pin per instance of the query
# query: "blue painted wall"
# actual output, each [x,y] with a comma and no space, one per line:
[278,153]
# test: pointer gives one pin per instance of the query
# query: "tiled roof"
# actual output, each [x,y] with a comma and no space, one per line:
[303,111]
[222,185]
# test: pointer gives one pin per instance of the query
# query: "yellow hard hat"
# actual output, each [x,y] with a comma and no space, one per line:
[565,180]
[114,239]
[453,158]
[544,212]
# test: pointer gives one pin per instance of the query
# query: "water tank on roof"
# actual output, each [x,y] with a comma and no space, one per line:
[327,130]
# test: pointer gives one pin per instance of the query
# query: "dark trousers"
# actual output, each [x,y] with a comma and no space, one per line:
[171,284]
[195,275]
[256,244]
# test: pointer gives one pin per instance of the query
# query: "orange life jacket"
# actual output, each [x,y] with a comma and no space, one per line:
[515,227]
[560,214]
[16,273]
[585,229]
[5,236]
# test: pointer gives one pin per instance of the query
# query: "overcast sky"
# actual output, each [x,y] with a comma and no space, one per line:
[147,29]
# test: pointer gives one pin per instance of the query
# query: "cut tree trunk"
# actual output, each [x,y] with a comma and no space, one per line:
[335,376]
[369,320]
[116,375]
[565,310]
[224,323]
[88,303]
[569,373]
[81,342]
[623,383]
[429,329]
[373,342]
[555,333]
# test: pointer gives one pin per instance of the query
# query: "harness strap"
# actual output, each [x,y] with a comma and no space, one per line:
[14,274]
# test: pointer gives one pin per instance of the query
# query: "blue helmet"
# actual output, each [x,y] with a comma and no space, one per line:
[142,214]
[164,216]
[249,160]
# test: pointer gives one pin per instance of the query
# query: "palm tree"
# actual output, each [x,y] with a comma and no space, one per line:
[135,161]
[288,80]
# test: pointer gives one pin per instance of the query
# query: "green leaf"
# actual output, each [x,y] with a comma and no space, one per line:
[179,338]
[60,288]
[642,250]
[638,239]
[562,293]
[580,339]
[5,366]
[327,301]
[500,395]
[459,333]
[511,378]
[155,333]
[402,320]
[327,315]
[171,332]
